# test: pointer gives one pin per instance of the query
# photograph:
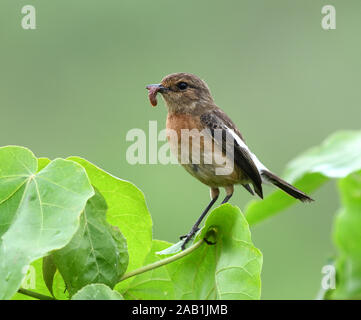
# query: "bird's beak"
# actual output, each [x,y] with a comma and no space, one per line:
[153,90]
[156,87]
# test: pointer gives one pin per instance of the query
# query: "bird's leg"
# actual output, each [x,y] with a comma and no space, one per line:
[195,228]
[229,192]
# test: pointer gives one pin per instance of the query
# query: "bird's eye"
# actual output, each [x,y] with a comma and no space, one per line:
[182,85]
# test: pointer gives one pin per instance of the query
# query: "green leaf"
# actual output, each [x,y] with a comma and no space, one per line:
[347,236]
[96,254]
[336,157]
[42,163]
[259,210]
[34,281]
[39,212]
[49,270]
[230,269]
[175,248]
[126,209]
[155,284]
[97,291]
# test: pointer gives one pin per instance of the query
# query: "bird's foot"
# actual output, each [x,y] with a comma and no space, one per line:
[188,237]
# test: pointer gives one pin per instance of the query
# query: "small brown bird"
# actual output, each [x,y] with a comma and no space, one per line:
[191,106]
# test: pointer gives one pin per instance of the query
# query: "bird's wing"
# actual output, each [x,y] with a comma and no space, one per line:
[217,119]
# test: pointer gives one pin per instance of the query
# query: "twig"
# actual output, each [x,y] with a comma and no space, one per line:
[163,261]
[35,294]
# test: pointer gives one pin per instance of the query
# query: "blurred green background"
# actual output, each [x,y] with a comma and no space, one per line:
[76,86]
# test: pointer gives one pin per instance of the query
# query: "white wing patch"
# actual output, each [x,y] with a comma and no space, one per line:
[260,166]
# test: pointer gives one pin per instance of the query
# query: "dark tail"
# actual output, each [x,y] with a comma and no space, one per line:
[285,186]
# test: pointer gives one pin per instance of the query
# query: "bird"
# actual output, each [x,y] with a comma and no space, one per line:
[191,108]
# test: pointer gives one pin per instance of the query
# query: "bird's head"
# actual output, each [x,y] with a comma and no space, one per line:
[182,92]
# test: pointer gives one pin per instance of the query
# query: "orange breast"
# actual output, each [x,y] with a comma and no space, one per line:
[202,165]
[177,122]
[184,132]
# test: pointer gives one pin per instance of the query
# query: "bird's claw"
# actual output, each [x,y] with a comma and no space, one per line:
[188,237]
[186,240]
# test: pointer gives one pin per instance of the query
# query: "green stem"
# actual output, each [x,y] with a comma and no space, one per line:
[163,261]
[35,295]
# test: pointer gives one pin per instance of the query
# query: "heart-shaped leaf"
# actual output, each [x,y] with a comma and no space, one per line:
[127,210]
[39,211]
[229,269]
[97,291]
[96,254]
